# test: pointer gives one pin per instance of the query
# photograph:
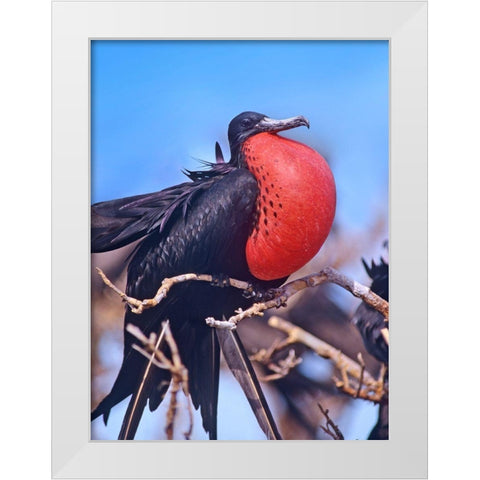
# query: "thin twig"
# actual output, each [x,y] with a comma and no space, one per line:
[349,369]
[375,395]
[178,372]
[382,389]
[385,335]
[362,373]
[281,368]
[331,428]
[325,350]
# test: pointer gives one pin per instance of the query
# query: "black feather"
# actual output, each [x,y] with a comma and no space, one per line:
[218,153]
[369,321]
[370,324]
[241,367]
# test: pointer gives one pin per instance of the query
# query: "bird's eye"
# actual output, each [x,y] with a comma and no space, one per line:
[245,122]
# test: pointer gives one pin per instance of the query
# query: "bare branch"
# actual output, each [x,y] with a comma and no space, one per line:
[330,428]
[281,368]
[385,335]
[350,371]
[277,298]
[382,389]
[325,350]
[279,295]
[138,306]
[331,275]
[362,372]
[282,294]
[178,372]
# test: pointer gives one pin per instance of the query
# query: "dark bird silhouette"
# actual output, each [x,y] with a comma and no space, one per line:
[259,217]
[370,322]
[372,327]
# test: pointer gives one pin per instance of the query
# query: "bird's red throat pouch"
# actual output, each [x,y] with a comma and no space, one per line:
[295,208]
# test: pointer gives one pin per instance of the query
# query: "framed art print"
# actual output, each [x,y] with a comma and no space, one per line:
[239,199]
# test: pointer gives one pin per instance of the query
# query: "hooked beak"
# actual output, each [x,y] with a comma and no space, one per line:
[271,125]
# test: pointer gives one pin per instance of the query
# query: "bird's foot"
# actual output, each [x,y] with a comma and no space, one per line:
[258,294]
[220,280]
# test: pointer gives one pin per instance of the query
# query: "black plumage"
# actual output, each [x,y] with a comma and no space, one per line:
[371,324]
[369,321]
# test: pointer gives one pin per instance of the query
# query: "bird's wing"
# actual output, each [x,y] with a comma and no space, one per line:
[116,223]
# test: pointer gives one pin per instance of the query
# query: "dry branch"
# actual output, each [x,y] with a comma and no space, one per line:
[362,373]
[331,428]
[138,306]
[281,368]
[296,334]
[350,371]
[279,296]
[282,294]
[385,335]
[177,370]
[373,391]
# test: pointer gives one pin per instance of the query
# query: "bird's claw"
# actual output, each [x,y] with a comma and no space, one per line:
[258,295]
[220,280]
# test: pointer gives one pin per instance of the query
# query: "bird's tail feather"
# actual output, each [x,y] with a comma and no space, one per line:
[200,353]
[122,388]
[242,369]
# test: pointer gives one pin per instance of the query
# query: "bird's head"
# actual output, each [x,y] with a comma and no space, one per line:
[247,124]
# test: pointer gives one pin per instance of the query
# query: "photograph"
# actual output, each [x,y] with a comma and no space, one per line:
[239,221]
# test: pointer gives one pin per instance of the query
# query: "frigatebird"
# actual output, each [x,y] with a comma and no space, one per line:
[372,327]
[258,217]
[369,322]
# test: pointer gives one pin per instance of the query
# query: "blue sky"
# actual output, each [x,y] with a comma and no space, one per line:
[159,106]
